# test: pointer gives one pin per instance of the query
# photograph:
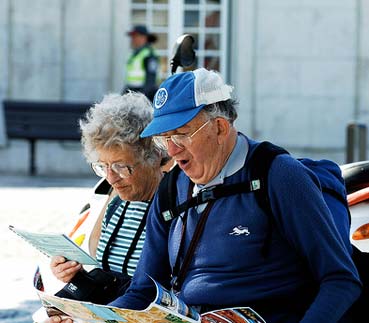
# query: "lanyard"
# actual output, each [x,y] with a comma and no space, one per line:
[180,270]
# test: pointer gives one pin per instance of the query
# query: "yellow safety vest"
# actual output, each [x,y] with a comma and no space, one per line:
[135,74]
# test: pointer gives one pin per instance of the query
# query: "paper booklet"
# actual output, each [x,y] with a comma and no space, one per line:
[166,308]
[55,244]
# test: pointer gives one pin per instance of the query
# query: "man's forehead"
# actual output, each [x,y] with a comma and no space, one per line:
[186,127]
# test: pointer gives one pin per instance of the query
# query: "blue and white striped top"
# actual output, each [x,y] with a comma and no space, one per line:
[126,233]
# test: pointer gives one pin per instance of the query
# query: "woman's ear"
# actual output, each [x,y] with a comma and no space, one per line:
[223,127]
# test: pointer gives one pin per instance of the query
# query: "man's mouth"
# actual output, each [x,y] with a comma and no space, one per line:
[182,163]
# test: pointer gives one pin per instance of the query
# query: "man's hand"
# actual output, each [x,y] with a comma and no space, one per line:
[64,270]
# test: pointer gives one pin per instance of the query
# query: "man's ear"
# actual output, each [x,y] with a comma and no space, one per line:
[223,127]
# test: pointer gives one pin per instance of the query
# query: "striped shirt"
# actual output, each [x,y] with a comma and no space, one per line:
[123,240]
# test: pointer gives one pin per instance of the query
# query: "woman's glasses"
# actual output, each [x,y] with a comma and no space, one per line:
[123,170]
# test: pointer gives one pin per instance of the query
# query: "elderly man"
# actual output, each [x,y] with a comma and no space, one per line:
[307,275]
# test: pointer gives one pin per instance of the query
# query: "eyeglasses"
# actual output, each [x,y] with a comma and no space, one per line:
[180,141]
[123,170]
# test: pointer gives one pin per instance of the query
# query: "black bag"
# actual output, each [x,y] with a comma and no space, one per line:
[97,286]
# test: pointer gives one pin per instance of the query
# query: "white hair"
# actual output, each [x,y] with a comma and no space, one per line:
[117,121]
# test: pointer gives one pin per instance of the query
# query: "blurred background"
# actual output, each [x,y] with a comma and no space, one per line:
[299,67]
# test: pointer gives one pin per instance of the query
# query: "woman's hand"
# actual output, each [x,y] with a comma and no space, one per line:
[64,270]
[58,319]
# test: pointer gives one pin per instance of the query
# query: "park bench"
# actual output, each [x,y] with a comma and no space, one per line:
[32,120]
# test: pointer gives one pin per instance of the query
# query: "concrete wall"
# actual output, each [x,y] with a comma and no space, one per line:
[362,113]
[300,82]
[300,69]
[4,75]
[64,51]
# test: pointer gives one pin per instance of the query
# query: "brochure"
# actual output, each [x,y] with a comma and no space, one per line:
[166,308]
[55,244]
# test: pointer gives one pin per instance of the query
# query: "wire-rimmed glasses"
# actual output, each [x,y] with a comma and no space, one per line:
[180,141]
[120,168]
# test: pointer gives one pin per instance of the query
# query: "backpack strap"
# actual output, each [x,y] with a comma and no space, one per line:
[167,194]
[168,191]
[213,193]
[259,164]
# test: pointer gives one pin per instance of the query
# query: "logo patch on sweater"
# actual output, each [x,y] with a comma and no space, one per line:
[239,230]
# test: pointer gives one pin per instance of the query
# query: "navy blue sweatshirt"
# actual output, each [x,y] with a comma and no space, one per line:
[308,271]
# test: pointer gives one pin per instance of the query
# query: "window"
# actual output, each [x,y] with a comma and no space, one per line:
[205,20]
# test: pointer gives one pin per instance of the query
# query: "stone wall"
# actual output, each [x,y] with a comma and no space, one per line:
[300,69]
[305,74]
[59,50]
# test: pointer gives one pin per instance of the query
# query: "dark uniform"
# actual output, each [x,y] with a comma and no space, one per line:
[142,66]
[142,71]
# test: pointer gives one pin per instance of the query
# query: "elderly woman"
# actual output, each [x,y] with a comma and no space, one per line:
[132,166]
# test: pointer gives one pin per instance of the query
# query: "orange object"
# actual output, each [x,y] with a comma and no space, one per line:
[358,196]
[82,219]
[361,233]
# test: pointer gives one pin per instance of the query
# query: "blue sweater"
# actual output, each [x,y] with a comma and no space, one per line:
[228,269]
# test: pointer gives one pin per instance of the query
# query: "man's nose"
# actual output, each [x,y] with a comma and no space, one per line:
[173,149]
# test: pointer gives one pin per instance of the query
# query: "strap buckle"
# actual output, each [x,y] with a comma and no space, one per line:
[255,185]
[206,195]
[167,215]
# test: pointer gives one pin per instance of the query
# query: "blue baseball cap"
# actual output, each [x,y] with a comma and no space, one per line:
[182,96]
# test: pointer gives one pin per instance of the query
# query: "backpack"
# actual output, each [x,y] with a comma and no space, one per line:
[259,165]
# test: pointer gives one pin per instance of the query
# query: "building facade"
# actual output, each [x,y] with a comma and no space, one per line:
[299,67]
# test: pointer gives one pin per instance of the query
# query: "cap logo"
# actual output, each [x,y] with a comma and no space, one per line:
[160,98]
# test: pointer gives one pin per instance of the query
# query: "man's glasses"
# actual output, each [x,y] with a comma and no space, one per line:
[180,141]
[123,170]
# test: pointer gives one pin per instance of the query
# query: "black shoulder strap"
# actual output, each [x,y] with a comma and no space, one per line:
[259,164]
[137,236]
[104,261]
[135,239]
[114,204]
[167,193]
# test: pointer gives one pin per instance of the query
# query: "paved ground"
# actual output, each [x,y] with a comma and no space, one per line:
[38,204]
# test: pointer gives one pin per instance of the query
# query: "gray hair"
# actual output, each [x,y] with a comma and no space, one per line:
[117,121]
[224,109]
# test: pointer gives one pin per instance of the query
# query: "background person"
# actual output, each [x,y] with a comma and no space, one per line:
[142,67]
[308,275]
[131,165]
